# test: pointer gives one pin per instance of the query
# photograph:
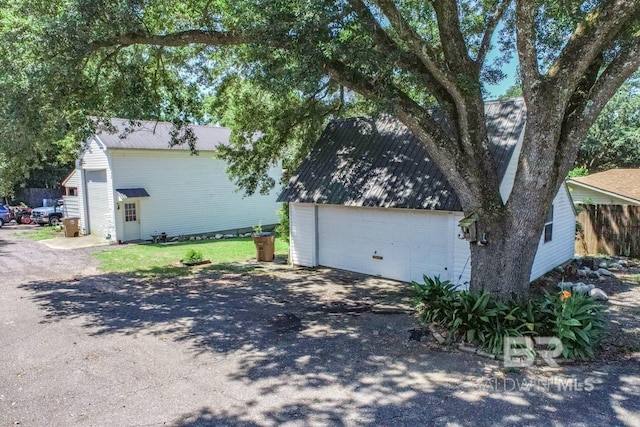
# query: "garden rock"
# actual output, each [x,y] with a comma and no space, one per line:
[218,236]
[229,236]
[604,272]
[616,265]
[598,294]
[603,265]
[578,287]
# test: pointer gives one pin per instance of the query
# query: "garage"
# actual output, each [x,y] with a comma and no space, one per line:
[368,198]
[97,200]
[399,244]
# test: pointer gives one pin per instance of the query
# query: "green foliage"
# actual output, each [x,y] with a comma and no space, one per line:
[578,171]
[147,259]
[514,91]
[434,299]
[479,319]
[193,255]
[258,228]
[576,319]
[614,139]
[283,228]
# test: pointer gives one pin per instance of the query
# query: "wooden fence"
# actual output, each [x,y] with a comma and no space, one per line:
[34,196]
[609,229]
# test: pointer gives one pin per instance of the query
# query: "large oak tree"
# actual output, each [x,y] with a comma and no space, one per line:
[407,57]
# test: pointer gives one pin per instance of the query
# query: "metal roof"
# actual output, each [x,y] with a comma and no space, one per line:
[151,135]
[125,193]
[379,163]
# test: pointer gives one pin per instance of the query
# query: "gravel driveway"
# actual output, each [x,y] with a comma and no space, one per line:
[273,346]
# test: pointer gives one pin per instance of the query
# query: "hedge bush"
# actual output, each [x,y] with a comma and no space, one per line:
[481,320]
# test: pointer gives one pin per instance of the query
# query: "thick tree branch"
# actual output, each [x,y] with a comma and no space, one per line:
[182,38]
[527,52]
[586,111]
[492,23]
[418,46]
[460,168]
[405,31]
[411,61]
[456,52]
[590,38]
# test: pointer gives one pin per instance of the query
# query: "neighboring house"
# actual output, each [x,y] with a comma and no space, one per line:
[610,212]
[612,187]
[130,185]
[370,199]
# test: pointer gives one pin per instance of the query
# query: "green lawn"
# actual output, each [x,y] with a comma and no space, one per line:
[162,260]
[42,233]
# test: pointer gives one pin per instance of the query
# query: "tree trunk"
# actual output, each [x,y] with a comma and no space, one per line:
[503,265]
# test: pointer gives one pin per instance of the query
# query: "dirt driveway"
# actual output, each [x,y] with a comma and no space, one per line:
[268,347]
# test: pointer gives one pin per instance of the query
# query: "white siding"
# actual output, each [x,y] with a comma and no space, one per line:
[461,257]
[303,234]
[561,246]
[510,174]
[410,242]
[97,195]
[71,206]
[93,158]
[582,195]
[73,181]
[188,194]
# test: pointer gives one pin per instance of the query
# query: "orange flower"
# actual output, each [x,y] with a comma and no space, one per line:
[565,295]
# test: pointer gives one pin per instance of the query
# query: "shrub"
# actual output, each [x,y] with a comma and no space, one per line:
[576,320]
[283,228]
[481,320]
[193,256]
[434,299]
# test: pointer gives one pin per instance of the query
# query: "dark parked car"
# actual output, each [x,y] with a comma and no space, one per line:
[5,215]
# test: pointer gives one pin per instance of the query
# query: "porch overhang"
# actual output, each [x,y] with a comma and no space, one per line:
[127,193]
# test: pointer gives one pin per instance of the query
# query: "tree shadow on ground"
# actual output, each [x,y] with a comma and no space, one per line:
[327,347]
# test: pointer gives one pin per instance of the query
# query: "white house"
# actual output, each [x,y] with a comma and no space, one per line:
[369,199]
[130,185]
[612,187]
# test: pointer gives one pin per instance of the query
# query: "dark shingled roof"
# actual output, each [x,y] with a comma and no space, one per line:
[150,135]
[379,163]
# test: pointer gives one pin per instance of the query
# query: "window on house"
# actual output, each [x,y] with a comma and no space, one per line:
[130,212]
[548,226]
[72,191]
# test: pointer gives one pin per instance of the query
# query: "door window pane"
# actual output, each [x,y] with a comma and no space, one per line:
[130,212]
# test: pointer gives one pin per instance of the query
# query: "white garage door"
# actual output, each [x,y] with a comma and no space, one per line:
[97,200]
[395,243]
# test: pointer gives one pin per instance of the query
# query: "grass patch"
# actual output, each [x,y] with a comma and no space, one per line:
[161,260]
[42,233]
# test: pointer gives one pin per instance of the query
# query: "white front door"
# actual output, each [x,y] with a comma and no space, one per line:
[131,219]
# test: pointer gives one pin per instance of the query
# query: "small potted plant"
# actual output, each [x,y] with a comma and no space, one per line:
[265,243]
